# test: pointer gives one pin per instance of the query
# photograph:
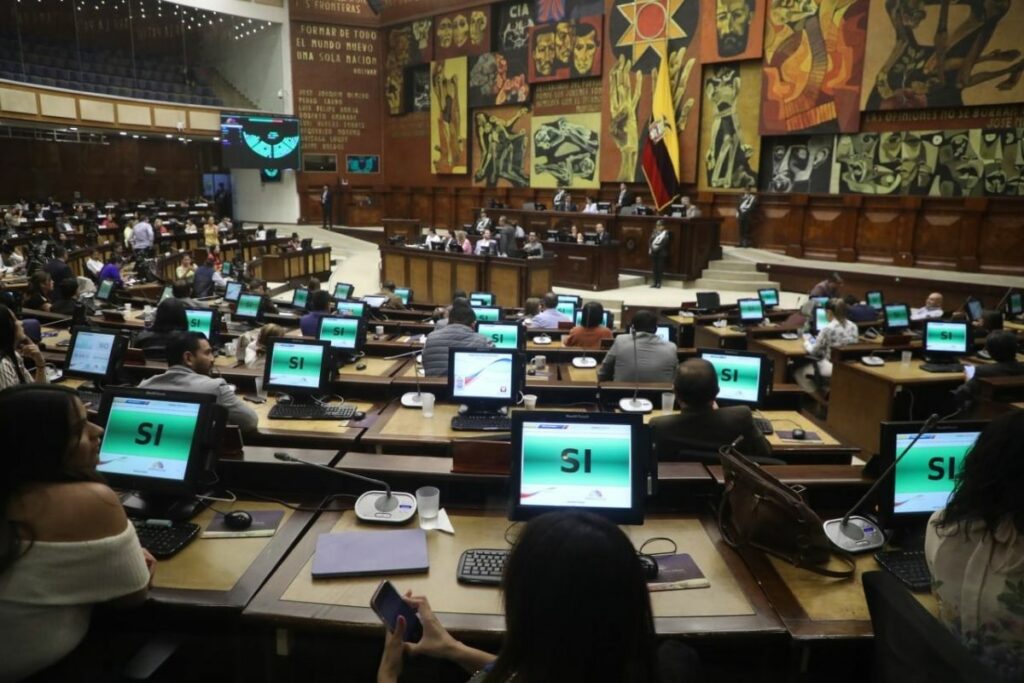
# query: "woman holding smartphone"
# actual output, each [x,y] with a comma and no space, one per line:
[605,631]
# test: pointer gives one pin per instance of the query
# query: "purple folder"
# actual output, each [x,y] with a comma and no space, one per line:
[365,553]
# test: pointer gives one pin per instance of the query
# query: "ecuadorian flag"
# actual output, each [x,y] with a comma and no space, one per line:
[661,151]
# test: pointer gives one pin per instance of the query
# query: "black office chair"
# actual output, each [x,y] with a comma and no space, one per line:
[912,646]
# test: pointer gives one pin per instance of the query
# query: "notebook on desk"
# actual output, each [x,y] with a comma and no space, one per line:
[367,553]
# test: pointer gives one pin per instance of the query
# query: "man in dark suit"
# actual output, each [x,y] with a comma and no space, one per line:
[626,198]
[701,427]
[483,223]
[602,235]
[506,236]
[658,249]
[1002,347]
[327,204]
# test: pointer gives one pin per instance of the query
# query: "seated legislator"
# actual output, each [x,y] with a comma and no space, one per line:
[461,243]
[205,279]
[257,286]
[1002,346]
[186,270]
[531,307]
[14,347]
[858,312]
[394,301]
[182,291]
[40,291]
[67,544]
[549,315]
[251,350]
[458,334]
[975,549]
[94,264]
[655,358]
[603,236]
[112,270]
[932,308]
[591,330]
[486,244]
[533,246]
[68,290]
[170,318]
[608,635]
[829,287]
[702,427]
[319,306]
[483,223]
[590,206]
[189,362]
[57,267]
[839,332]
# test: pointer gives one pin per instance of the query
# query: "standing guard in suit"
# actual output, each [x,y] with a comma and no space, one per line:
[659,251]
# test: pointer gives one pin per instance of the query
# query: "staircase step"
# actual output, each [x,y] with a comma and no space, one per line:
[734,266]
[740,275]
[630,280]
[721,283]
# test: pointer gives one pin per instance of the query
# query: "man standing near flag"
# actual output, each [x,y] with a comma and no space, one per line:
[658,250]
[661,153]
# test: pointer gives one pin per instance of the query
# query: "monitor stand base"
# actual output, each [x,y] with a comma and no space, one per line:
[176,508]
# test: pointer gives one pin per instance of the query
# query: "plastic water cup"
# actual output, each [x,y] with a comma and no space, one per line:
[147,310]
[379,330]
[905,357]
[427,403]
[428,501]
[668,401]
[127,310]
[529,401]
[227,318]
[540,362]
[259,387]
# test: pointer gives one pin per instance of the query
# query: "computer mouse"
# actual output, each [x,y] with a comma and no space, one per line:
[358,415]
[360,366]
[238,520]
[649,566]
[799,434]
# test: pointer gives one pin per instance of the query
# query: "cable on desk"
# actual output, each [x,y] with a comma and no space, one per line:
[320,507]
[655,539]
[507,530]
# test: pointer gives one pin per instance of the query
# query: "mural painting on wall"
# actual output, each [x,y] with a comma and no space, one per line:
[491,83]
[407,46]
[729,126]
[467,32]
[501,147]
[448,113]
[735,32]
[943,54]
[565,150]
[566,49]
[635,32]
[394,84]
[513,23]
[813,63]
[417,80]
[798,163]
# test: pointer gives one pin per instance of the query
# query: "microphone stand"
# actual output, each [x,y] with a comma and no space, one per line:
[857,534]
[635,404]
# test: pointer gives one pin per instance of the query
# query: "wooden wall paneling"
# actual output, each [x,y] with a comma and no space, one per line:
[779,225]
[970,228]
[442,276]
[823,226]
[937,234]
[422,207]
[400,202]
[724,207]
[466,200]
[539,282]
[846,249]
[879,225]
[1001,243]
[467,278]
[394,268]
[419,278]
[634,247]
[504,283]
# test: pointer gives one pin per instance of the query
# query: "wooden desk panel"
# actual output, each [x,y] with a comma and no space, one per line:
[731,604]
[337,434]
[585,266]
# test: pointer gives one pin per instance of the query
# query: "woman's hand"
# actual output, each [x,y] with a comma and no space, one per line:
[28,349]
[150,564]
[436,641]
[394,649]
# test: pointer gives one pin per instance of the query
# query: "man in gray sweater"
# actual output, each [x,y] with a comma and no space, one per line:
[458,333]
[655,359]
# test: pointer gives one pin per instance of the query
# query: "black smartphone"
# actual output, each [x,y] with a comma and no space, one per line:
[254,399]
[388,605]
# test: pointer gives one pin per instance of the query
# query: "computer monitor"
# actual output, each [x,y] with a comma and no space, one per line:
[666,332]
[567,460]
[769,297]
[946,341]
[567,308]
[484,379]
[609,319]
[504,335]
[105,290]
[225,268]
[924,478]
[296,367]
[973,309]
[481,299]
[1015,304]
[233,291]
[351,308]
[487,314]
[300,297]
[249,307]
[820,319]
[744,377]
[271,234]
[708,301]
[404,293]
[897,317]
[375,301]
[167,293]
[94,355]
[306,243]
[204,320]
[159,444]
[575,300]
[346,335]
[875,300]
[343,290]
[820,300]
[751,310]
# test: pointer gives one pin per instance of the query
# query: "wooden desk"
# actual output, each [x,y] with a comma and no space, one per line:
[585,266]
[336,434]
[863,396]
[292,265]
[781,352]
[225,573]
[711,337]
[732,604]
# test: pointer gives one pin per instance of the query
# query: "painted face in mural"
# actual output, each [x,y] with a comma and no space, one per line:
[460,30]
[891,147]
[564,36]
[792,12]
[477,27]
[444,32]
[584,49]
[732,24]
[421,32]
[792,165]
[916,172]
[723,88]
[544,52]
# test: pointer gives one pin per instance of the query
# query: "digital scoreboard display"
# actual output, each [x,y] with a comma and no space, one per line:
[261,141]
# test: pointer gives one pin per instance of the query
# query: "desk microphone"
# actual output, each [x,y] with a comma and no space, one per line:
[373,506]
[414,399]
[857,534]
[635,404]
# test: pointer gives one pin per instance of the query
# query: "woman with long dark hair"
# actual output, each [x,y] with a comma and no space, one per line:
[15,346]
[170,317]
[577,610]
[65,543]
[40,291]
[975,549]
